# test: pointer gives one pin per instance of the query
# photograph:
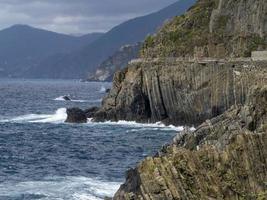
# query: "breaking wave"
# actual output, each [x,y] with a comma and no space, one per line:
[148,126]
[61,98]
[58,117]
[61,115]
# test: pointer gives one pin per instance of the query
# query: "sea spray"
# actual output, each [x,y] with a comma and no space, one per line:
[58,117]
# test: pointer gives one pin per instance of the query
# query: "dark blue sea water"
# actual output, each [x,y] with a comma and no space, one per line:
[41,157]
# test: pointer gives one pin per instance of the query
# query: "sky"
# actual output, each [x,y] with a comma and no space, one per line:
[75,16]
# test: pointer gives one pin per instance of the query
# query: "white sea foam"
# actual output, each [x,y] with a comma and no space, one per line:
[61,98]
[153,126]
[67,188]
[58,117]
[61,115]
[102,89]
[88,101]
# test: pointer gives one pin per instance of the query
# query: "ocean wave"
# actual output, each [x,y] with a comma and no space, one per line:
[67,188]
[58,117]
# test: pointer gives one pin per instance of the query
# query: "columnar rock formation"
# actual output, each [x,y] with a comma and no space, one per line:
[179,92]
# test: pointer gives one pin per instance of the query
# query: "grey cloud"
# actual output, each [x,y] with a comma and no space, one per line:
[75,16]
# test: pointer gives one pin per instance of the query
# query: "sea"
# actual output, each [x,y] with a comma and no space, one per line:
[44,158]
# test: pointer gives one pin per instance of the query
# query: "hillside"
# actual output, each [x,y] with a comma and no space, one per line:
[119,60]
[23,48]
[89,58]
[212,28]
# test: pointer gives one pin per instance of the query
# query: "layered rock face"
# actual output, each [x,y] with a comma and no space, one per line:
[179,92]
[225,158]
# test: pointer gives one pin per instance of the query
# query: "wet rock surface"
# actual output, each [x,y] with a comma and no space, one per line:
[76,115]
[66,98]
[91,112]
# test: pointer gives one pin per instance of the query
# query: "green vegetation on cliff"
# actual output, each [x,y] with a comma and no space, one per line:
[212,28]
[179,36]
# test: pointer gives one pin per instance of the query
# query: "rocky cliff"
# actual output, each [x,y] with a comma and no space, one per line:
[225,158]
[179,92]
[196,67]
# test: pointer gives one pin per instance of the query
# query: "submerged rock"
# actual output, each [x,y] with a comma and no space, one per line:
[108,90]
[76,115]
[66,98]
[225,158]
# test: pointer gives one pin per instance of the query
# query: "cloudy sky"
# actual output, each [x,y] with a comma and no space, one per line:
[75,16]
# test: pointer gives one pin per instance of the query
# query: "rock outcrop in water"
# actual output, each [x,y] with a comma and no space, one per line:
[76,115]
[225,158]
